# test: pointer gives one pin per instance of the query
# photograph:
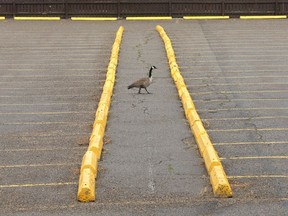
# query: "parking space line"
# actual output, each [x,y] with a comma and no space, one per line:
[257,176]
[37,165]
[236,84]
[44,104]
[248,129]
[245,118]
[42,149]
[38,185]
[255,157]
[44,113]
[239,99]
[236,77]
[252,143]
[243,109]
[43,134]
[40,95]
[45,123]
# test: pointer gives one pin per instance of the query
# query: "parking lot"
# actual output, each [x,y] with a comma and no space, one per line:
[51,79]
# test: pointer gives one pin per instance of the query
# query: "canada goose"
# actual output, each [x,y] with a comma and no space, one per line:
[144,82]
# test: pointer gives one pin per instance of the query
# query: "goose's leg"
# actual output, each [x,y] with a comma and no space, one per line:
[147,90]
[139,92]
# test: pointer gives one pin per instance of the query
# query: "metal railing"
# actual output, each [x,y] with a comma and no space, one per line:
[124,8]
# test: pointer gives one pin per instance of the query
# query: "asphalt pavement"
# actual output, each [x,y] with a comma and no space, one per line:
[51,79]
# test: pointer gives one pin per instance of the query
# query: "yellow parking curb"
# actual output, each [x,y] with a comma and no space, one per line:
[93,18]
[2,18]
[88,173]
[204,17]
[218,178]
[37,18]
[149,18]
[263,17]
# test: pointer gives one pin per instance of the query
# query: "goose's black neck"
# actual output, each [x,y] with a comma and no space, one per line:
[150,72]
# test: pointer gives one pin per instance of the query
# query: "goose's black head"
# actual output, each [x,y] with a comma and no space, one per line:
[150,72]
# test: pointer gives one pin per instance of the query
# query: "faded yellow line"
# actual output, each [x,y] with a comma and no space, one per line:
[249,54]
[36,165]
[248,129]
[241,99]
[33,96]
[43,113]
[230,71]
[64,69]
[252,143]
[44,104]
[236,84]
[233,66]
[38,185]
[243,109]
[48,76]
[259,176]
[43,149]
[234,52]
[30,88]
[245,118]
[44,135]
[45,123]
[234,77]
[233,61]
[239,92]
[255,157]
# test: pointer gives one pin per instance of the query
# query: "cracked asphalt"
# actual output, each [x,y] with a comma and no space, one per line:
[51,78]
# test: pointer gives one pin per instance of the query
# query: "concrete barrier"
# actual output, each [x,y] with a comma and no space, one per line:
[38,18]
[149,18]
[205,17]
[88,174]
[264,17]
[218,179]
[93,18]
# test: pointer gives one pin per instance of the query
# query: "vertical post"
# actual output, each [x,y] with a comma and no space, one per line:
[118,9]
[14,8]
[170,7]
[276,7]
[66,9]
[223,8]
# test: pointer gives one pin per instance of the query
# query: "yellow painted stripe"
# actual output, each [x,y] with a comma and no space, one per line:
[241,99]
[93,18]
[245,118]
[204,17]
[149,18]
[46,123]
[243,109]
[44,113]
[263,17]
[248,129]
[2,18]
[40,149]
[253,143]
[38,185]
[218,179]
[259,176]
[255,157]
[36,165]
[37,18]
